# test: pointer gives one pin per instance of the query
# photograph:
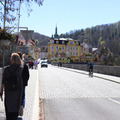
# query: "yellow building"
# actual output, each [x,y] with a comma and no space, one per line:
[63,48]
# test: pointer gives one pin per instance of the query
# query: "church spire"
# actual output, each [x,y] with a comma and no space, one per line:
[56,35]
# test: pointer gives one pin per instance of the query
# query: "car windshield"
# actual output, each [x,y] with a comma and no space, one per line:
[44,62]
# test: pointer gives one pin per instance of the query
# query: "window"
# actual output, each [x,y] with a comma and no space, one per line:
[56,48]
[63,49]
[71,43]
[76,53]
[57,42]
[63,42]
[66,49]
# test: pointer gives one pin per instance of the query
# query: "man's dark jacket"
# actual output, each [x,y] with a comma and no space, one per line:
[25,75]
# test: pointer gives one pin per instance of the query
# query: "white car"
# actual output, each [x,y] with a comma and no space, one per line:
[44,64]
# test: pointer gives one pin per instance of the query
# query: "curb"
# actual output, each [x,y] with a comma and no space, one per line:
[102,76]
[35,114]
[41,108]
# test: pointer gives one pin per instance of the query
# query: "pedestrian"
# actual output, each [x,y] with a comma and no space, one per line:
[32,64]
[91,68]
[12,83]
[35,64]
[29,64]
[25,76]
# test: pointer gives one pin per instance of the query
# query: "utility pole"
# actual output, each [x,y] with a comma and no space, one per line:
[4,14]
[19,16]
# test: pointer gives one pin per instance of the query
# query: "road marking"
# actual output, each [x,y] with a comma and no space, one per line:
[114,100]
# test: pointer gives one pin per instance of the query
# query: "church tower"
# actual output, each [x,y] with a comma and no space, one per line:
[56,35]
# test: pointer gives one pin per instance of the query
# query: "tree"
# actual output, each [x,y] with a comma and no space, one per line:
[36,41]
[99,41]
[9,7]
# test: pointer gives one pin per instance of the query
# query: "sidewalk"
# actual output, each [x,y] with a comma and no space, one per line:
[103,76]
[31,111]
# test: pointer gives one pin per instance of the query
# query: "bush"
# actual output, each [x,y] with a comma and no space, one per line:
[6,36]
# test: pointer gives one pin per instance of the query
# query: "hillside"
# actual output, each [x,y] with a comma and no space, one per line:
[108,34]
[43,40]
[105,37]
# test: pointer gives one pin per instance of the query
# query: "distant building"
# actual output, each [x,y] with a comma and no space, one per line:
[63,48]
[86,52]
[29,48]
[67,48]
[44,52]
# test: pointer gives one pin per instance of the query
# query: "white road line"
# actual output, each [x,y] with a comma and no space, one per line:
[115,101]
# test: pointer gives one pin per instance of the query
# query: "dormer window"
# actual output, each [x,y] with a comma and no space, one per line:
[57,42]
[71,43]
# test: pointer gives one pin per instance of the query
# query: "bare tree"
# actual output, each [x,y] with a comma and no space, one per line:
[9,8]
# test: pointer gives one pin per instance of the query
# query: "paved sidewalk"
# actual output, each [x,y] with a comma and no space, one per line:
[31,111]
[103,76]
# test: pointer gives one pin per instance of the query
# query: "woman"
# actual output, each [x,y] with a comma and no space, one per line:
[12,97]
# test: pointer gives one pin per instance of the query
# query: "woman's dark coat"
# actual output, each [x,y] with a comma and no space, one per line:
[13,98]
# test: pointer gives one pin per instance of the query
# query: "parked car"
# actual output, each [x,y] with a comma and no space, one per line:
[44,64]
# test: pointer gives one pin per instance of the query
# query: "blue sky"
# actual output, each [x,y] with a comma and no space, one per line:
[69,15]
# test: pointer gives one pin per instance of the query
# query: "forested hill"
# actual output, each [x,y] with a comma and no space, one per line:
[109,34]
[43,40]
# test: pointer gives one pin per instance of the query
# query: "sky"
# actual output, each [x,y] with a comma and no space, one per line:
[69,15]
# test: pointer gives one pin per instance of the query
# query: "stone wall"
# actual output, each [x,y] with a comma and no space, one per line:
[109,70]
[5,54]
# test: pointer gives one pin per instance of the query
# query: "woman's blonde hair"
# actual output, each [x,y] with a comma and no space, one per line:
[15,59]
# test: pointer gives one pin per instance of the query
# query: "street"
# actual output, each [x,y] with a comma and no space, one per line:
[68,95]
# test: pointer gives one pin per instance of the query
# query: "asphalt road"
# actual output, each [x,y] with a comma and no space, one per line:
[69,95]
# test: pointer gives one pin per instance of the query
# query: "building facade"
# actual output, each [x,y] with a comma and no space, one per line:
[43,52]
[67,48]
[63,48]
[28,47]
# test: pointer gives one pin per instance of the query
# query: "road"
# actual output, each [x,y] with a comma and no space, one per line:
[68,95]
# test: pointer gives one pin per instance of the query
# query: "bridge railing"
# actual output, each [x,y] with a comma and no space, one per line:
[103,69]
